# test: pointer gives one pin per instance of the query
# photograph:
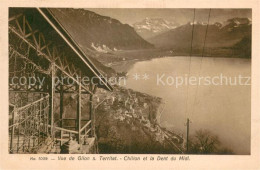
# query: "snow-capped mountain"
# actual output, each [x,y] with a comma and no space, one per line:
[197,23]
[236,22]
[224,34]
[150,27]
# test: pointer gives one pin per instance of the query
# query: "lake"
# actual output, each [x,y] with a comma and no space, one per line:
[225,109]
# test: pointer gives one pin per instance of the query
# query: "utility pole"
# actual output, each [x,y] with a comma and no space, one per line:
[188,126]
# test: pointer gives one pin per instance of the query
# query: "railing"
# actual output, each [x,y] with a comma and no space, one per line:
[80,133]
[86,129]
[70,123]
[28,125]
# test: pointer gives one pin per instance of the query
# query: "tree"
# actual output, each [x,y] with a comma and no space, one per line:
[204,142]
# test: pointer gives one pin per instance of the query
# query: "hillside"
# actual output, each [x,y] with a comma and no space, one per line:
[126,122]
[243,47]
[99,33]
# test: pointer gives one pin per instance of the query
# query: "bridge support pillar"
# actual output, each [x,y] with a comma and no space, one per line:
[51,99]
[79,112]
[61,110]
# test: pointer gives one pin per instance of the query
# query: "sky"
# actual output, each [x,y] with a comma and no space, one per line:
[175,15]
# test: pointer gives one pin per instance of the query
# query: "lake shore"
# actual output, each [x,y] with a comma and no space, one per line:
[238,97]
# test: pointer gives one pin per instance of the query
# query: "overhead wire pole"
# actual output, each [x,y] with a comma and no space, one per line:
[188,129]
[187,97]
[188,120]
[202,56]
[190,61]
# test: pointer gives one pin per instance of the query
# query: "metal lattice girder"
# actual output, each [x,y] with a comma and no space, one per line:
[36,41]
[39,46]
[47,38]
[57,25]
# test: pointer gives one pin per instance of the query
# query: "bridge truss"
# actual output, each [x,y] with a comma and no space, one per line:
[43,62]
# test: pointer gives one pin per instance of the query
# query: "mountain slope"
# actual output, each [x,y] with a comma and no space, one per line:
[150,27]
[243,47]
[219,35]
[98,32]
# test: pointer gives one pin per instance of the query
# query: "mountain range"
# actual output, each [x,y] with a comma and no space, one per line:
[225,34]
[99,34]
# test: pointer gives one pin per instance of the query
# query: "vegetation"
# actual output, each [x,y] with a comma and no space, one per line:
[204,142]
[243,47]
[128,134]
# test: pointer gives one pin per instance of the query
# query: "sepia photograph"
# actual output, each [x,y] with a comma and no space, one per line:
[110,84]
[129,80]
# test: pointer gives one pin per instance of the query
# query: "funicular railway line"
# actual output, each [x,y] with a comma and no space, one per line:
[40,48]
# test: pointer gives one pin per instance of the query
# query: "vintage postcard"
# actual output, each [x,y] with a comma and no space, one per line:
[111,84]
